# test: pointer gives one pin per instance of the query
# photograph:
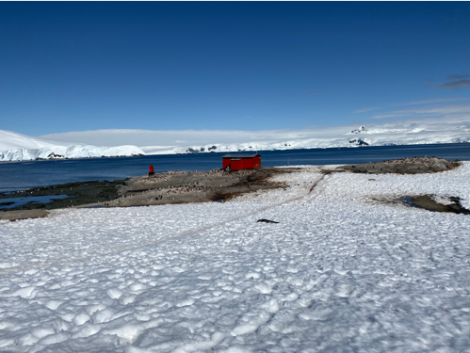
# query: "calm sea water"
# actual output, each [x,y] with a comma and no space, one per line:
[24,175]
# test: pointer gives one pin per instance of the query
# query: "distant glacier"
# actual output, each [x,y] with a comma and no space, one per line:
[359,137]
[18,147]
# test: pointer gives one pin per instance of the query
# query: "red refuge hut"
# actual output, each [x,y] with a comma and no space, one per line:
[241,161]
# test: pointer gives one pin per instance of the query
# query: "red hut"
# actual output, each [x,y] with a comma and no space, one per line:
[241,161]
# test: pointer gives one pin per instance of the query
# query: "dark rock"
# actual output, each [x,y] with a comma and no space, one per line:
[265,221]
[359,142]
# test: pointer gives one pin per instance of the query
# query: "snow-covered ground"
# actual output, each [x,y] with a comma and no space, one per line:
[340,272]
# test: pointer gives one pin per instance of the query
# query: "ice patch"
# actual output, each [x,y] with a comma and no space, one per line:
[53,304]
[186,302]
[81,318]
[41,332]
[26,292]
[216,338]
[114,293]
[443,199]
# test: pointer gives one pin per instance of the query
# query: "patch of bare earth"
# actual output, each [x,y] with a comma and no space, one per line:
[176,187]
[429,202]
[23,214]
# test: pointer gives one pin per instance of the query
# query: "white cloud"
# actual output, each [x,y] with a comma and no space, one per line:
[455,84]
[363,110]
[438,111]
[457,77]
[192,137]
[438,100]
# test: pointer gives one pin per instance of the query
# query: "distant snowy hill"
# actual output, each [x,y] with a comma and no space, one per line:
[422,130]
[362,136]
[18,147]
[410,132]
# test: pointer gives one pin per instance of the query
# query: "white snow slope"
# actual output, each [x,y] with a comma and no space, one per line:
[18,147]
[9,140]
[339,273]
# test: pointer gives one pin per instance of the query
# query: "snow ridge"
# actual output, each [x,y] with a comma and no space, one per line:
[18,147]
[370,137]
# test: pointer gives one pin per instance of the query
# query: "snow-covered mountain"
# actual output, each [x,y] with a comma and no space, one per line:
[18,147]
[410,132]
[421,125]
[381,135]
[359,130]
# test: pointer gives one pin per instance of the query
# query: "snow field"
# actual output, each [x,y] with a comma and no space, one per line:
[350,187]
[80,234]
[339,273]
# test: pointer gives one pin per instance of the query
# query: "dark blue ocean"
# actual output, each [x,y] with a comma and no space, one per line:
[24,175]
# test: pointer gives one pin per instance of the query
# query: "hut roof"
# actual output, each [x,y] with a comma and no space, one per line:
[241,155]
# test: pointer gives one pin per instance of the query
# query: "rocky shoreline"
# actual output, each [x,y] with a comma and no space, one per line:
[175,187]
[413,165]
[158,189]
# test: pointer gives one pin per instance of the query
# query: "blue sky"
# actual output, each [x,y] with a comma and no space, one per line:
[77,66]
